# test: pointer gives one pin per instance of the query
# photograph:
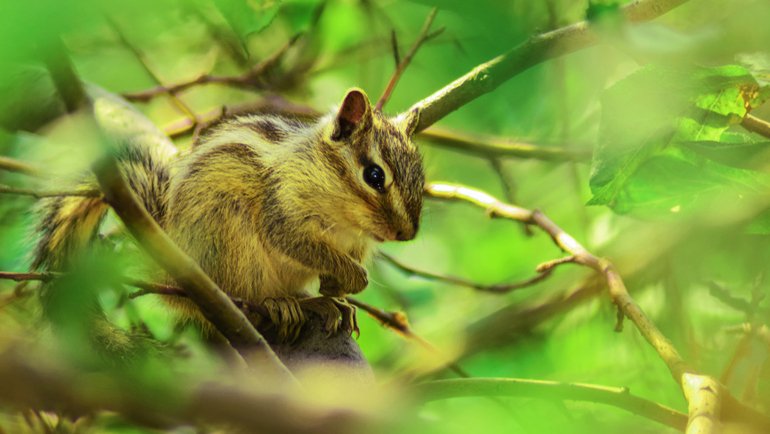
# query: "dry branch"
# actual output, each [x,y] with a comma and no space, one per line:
[499,147]
[614,396]
[756,125]
[486,146]
[17,166]
[544,271]
[734,410]
[254,78]
[215,305]
[31,383]
[488,76]
[403,62]
[178,103]
[4,189]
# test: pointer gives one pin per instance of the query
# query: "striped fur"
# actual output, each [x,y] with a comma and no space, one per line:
[266,204]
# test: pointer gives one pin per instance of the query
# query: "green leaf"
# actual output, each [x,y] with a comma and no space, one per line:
[657,109]
[676,181]
[299,13]
[247,17]
[742,155]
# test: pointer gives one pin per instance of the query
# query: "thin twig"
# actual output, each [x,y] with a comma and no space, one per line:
[398,322]
[677,366]
[404,62]
[487,76]
[17,166]
[619,397]
[63,75]
[544,270]
[214,304]
[254,78]
[394,47]
[4,189]
[477,145]
[178,103]
[499,147]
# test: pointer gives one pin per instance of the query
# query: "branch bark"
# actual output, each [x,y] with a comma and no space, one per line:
[499,147]
[17,166]
[756,125]
[544,271]
[4,189]
[33,382]
[614,396]
[677,366]
[488,76]
[112,115]
[403,63]
[213,303]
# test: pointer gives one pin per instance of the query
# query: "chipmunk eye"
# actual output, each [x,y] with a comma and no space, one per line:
[375,177]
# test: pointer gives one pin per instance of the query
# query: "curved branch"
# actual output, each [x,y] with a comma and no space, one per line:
[544,271]
[111,115]
[254,78]
[36,382]
[402,63]
[498,147]
[614,396]
[4,189]
[17,166]
[677,366]
[488,76]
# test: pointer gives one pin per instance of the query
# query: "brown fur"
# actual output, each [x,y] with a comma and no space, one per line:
[266,205]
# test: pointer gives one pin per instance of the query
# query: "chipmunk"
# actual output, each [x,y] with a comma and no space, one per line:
[268,204]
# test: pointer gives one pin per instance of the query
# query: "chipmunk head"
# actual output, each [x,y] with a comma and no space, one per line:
[382,169]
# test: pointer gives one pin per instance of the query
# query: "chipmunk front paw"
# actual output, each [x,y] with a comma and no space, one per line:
[337,314]
[286,315]
[340,286]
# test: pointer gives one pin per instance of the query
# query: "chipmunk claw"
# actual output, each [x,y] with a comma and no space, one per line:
[336,313]
[287,317]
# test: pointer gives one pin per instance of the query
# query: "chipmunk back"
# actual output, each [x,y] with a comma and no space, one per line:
[268,204]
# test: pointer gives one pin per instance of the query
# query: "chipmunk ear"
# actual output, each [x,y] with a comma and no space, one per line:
[355,114]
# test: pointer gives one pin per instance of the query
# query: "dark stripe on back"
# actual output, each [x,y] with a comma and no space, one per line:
[268,129]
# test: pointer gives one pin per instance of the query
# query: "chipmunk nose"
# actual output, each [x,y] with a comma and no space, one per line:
[407,233]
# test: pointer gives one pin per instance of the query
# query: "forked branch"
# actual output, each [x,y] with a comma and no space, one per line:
[403,62]
[679,368]
[488,76]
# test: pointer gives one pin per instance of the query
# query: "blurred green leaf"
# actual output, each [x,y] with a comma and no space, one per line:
[299,13]
[655,109]
[247,17]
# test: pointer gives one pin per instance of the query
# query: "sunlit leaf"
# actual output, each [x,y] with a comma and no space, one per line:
[247,17]
[654,110]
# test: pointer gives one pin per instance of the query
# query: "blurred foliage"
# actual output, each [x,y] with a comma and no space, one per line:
[676,194]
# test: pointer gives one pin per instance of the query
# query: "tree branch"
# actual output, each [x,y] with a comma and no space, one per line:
[63,75]
[704,404]
[756,125]
[617,289]
[614,396]
[404,62]
[254,78]
[43,194]
[544,271]
[488,76]
[215,305]
[17,166]
[499,147]
[35,382]
[398,322]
